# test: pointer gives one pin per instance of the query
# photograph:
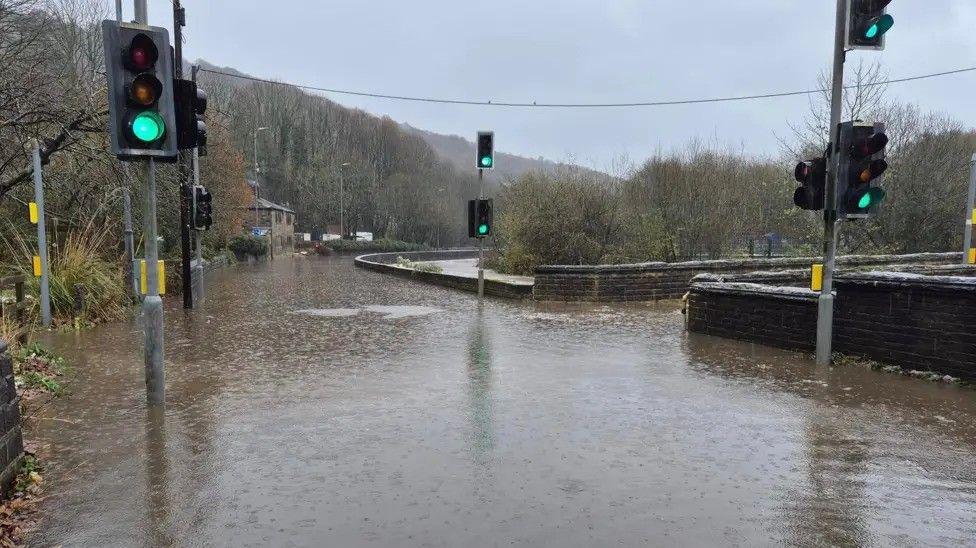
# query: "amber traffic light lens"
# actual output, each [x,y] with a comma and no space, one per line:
[873,171]
[145,90]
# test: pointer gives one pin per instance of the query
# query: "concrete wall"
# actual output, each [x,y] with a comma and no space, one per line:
[910,320]
[11,440]
[657,281]
[386,263]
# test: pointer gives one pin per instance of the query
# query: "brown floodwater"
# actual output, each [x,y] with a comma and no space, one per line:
[310,403]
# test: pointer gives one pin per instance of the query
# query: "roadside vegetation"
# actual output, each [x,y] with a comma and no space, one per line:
[382,245]
[18,515]
[38,371]
[419,266]
[245,245]
[52,90]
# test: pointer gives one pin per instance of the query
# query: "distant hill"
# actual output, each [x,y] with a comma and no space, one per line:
[453,149]
[461,153]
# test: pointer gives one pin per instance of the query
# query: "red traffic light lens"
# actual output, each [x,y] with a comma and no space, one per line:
[145,90]
[802,171]
[868,7]
[870,146]
[142,53]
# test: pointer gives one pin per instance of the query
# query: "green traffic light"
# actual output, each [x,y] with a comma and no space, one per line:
[871,198]
[148,126]
[882,25]
[483,228]
[486,161]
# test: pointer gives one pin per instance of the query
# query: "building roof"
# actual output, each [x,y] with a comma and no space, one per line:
[261,203]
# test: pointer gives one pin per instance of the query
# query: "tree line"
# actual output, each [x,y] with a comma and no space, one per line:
[709,202]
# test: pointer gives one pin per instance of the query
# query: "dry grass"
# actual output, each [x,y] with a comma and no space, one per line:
[85,258]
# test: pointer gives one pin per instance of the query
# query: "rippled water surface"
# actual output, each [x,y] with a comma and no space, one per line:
[310,403]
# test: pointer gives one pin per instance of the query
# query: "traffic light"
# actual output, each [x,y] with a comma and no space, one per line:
[861,165]
[191,103]
[480,217]
[812,176]
[139,74]
[202,208]
[867,23]
[486,149]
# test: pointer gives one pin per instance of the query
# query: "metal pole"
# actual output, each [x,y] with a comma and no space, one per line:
[968,253]
[825,305]
[342,205]
[481,241]
[118,11]
[130,247]
[152,305]
[257,171]
[141,12]
[42,238]
[181,169]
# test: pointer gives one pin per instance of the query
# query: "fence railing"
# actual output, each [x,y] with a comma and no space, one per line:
[17,309]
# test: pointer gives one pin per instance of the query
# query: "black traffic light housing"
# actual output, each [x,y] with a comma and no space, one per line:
[191,104]
[480,218]
[486,150]
[860,170]
[867,23]
[139,75]
[202,208]
[812,176]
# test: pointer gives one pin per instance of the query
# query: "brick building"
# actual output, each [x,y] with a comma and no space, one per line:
[273,221]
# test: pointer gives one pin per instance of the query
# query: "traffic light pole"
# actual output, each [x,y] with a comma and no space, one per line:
[481,241]
[179,20]
[152,305]
[968,253]
[825,306]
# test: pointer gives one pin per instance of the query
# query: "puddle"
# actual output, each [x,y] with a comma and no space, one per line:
[388,312]
[397,312]
[329,312]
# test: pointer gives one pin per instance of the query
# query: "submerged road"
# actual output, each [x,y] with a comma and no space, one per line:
[314,404]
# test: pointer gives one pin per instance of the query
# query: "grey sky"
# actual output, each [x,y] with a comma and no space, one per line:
[580,50]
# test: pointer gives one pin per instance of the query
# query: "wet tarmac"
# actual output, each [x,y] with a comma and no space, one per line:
[310,403]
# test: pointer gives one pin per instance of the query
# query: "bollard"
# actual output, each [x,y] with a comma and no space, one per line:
[79,301]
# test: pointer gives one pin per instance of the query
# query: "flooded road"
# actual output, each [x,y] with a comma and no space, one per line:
[314,404]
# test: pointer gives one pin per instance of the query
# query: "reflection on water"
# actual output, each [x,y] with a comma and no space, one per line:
[479,386]
[159,499]
[393,413]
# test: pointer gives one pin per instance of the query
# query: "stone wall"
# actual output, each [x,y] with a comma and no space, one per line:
[774,316]
[11,440]
[386,263]
[657,281]
[916,322]
[911,320]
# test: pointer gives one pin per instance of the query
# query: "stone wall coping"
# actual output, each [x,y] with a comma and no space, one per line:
[388,258]
[771,291]
[386,262]
[904,279]
[723,264]
[764,274]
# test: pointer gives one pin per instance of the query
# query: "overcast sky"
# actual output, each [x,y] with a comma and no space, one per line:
[580,51]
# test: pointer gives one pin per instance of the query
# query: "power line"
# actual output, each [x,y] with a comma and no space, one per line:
[535,104]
